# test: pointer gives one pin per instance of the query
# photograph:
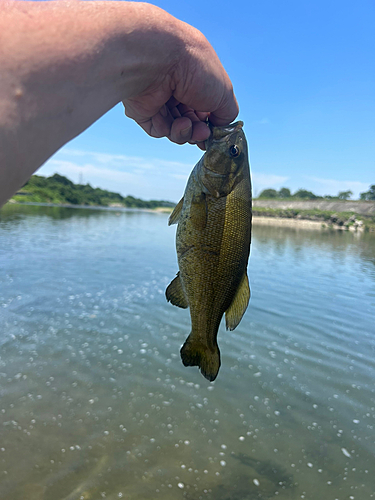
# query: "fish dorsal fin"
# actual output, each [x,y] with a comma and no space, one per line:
[236,310]
[175,215]
[198,211]
[175,293]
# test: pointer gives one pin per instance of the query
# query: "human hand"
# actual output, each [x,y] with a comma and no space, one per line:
[177,102]
[89,56]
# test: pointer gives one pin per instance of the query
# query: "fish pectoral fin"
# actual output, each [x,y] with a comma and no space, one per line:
[236,310]
[198,211]
[175,293]
[175,215]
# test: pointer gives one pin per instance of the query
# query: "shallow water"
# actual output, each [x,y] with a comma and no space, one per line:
[95,402]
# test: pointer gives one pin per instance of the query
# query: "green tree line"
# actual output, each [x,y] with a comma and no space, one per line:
[59,189]
[303,194]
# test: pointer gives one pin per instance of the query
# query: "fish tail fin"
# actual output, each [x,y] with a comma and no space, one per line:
[197,353]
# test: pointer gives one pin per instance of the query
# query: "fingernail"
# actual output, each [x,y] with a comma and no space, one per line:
[186,131]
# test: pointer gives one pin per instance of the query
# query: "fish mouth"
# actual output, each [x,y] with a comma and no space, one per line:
[220,133]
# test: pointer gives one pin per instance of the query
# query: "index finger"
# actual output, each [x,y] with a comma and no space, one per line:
[227,112]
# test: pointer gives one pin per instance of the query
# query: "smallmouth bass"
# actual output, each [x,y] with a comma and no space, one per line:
[213,245]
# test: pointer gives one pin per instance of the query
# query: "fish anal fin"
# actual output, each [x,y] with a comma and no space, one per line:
[236,310]
[175,215]
[175,293]
[197,353]
[198,211]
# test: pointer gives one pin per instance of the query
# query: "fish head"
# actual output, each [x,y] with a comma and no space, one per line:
[225,158]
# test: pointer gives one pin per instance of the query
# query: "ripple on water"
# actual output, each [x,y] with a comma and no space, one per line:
[95,402]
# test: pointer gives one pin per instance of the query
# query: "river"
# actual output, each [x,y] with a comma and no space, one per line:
[95,402]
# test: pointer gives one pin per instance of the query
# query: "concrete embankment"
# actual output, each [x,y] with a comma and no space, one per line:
[293,223]
[359,207]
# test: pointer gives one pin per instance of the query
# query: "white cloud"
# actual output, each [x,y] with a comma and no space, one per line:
[123,161]
[181,176]
[334,186]
[264,181]
[262,121]
[141,177]
[87,170]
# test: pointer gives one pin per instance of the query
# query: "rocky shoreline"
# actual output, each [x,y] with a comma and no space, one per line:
[365,208]
[305,224]
[341,222]
[353,216]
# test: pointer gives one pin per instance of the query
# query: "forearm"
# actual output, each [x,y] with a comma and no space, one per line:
[81,59]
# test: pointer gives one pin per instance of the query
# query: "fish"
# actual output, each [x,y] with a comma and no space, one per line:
[213,245]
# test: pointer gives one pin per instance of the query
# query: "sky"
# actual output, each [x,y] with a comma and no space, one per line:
[304,76]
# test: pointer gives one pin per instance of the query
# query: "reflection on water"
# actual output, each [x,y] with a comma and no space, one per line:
[94,400]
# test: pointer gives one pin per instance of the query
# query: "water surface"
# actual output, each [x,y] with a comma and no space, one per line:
[95,402]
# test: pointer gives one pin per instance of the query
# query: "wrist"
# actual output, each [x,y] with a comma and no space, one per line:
[155,41]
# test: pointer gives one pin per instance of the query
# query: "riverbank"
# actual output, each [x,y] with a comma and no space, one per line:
[291,218]
[60,190]
[365,208]
[301,215]
[302,224]
[111,207]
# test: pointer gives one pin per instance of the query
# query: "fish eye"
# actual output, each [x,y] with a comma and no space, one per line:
[234,151]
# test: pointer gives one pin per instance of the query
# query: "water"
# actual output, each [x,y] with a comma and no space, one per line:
[95,402]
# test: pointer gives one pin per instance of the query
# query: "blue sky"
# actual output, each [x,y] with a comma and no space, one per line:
[304,76]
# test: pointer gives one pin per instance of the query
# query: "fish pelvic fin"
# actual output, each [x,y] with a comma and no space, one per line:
[175,293]
[236,310]
[197,353]
[175,215]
